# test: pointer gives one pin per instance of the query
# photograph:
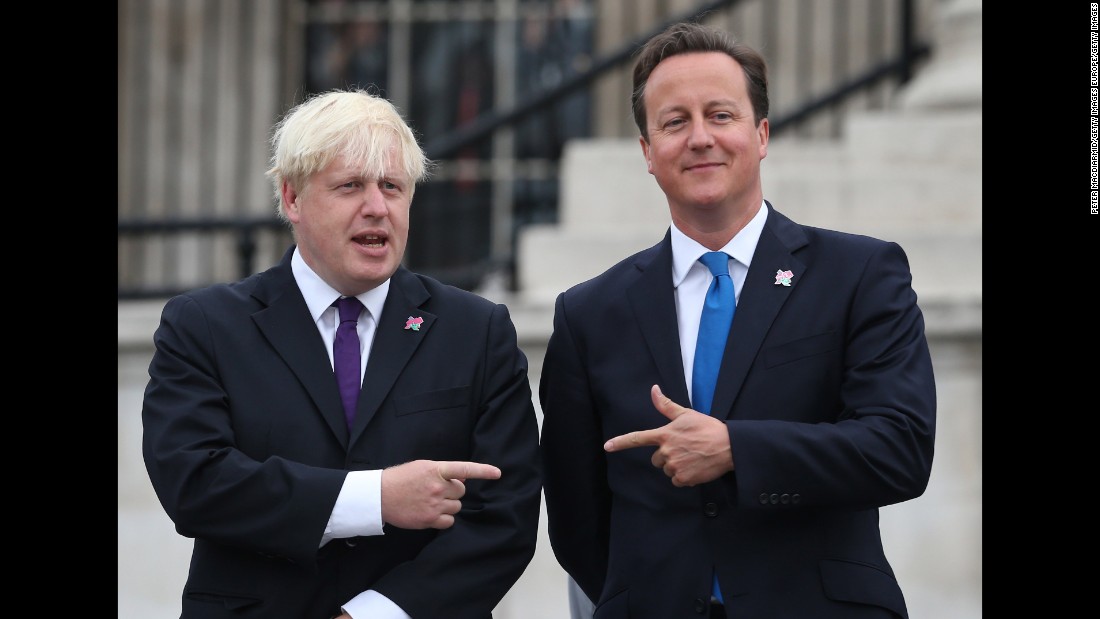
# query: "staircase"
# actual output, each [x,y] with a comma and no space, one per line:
[911,174]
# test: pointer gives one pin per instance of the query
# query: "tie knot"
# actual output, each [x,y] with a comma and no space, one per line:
[349,308]
[717,262]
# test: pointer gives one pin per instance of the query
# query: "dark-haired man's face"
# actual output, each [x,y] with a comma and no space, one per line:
[704,148]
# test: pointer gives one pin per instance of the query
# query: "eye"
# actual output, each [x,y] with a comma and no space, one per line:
[675,122]
[722,116]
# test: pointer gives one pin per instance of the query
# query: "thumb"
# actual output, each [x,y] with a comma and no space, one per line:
[665,405]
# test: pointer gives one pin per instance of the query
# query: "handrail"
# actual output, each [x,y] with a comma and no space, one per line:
[245,226]
[872,76]
[485,124]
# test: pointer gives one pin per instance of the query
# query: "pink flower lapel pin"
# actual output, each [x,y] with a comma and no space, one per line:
[783,277]
[414,323]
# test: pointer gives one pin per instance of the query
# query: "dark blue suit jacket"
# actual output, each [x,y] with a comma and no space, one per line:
[247,448]
[827,390]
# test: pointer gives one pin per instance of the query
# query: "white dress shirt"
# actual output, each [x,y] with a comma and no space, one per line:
[691,279]
[358,509]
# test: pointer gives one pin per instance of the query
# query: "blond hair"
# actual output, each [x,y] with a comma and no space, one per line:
[364,128]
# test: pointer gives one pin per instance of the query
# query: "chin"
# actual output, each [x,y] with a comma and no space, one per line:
[708,202]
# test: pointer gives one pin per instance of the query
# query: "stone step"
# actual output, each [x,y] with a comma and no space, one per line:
[947,138]
[946,264]
[605,186]
[851,196]
[903,170]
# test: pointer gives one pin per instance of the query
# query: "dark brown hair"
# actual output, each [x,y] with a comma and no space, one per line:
[690,37]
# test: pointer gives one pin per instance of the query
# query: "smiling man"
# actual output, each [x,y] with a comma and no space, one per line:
[339,435]
[723,451]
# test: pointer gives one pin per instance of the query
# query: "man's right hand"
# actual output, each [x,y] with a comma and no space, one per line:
[425,494]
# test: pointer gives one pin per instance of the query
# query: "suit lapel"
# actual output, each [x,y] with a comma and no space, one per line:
[760,301]
[393,344]
[286,323]
[654,304]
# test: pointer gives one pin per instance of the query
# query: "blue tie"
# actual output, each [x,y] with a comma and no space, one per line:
[714,327]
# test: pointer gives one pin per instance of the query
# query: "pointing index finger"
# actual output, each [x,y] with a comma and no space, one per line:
[640,438]
[468,470]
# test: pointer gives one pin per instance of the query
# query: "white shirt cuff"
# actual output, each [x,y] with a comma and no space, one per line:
[374,605]
[358,509]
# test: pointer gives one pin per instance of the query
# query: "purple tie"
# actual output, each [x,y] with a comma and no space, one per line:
[346,356]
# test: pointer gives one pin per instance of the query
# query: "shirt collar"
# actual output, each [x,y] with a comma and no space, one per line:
[686,250]
[319,295]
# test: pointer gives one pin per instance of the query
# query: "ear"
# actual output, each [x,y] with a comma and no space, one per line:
[645,153]
[763,132]
[291,205]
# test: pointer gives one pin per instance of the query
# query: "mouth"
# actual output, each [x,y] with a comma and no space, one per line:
[374,241]
[703,166]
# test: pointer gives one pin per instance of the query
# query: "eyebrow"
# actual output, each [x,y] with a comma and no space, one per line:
[709,104]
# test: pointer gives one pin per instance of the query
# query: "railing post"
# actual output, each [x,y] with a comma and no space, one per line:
[246,247]
[907,52]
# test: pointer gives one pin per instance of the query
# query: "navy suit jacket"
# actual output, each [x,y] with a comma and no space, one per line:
[827,391]
[247,448]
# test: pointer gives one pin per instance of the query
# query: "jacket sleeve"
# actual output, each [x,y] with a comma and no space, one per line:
[578,500]
[207,485]
[876,449]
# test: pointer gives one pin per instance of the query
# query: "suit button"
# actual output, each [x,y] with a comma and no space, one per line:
[763,498]
[700,606]
[774,499]
[710,510]
[350,542]
[795,498]
[784,498]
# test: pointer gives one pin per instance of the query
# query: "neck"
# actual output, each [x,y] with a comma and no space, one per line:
[714,228]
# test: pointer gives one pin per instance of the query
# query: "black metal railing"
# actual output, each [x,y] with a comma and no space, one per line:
[898,68]
[244,229]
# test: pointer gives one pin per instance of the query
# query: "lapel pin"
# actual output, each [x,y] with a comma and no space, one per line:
[414,323]
[781,277]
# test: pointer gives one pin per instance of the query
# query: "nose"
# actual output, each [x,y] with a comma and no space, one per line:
[374,202]
[700,136]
